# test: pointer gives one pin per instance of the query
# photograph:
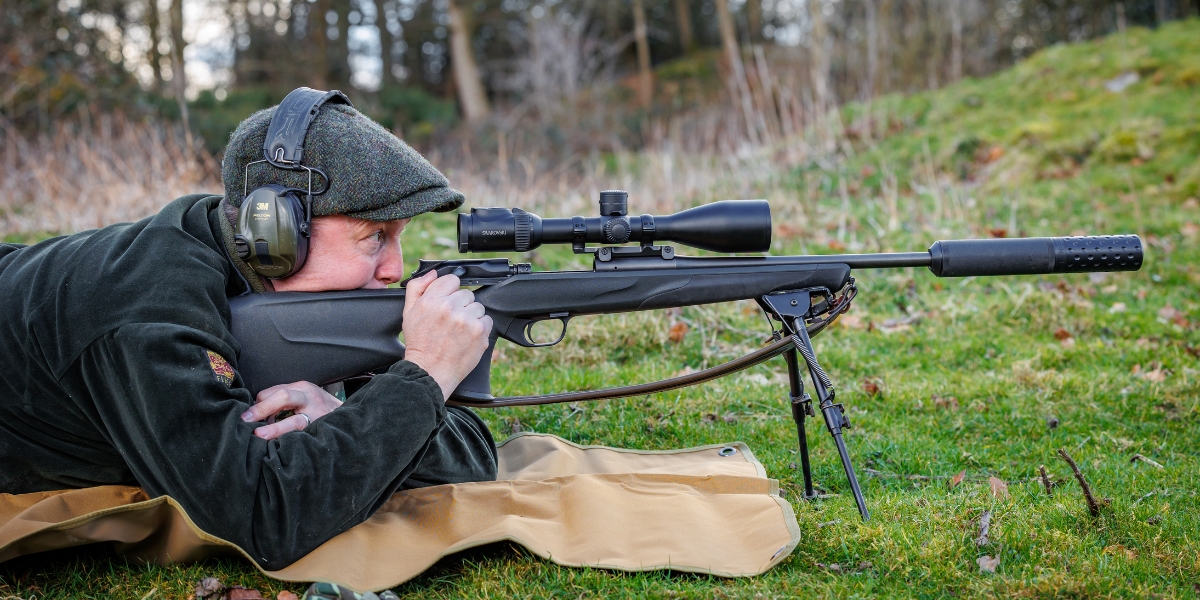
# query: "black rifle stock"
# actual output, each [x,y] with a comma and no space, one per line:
[325,337]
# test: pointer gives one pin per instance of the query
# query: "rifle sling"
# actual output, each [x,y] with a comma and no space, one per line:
[738,364]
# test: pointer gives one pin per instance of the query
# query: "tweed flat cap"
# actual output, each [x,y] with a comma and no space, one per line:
[374,174]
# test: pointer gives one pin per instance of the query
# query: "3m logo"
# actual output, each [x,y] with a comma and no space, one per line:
[261,206]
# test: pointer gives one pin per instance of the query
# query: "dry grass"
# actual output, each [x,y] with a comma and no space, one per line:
[79,179]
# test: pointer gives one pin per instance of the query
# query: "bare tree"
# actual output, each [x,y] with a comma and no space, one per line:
[872,24]
[754,20]
[683,18]
[153,56]
[645,83]
[177,45]
[819,62]
[385,42]
[466,73]
[733,54]
[956,50]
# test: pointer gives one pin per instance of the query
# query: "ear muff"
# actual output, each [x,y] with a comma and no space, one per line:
[273,222]
[273,231]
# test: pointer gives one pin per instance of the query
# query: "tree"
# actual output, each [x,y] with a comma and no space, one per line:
[386,44]
[178,77]
[153,56]
[819,62]
[683,18]
[645,83]
[733,54]
[471,95]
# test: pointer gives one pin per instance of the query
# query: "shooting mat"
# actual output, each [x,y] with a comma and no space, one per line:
[701,510]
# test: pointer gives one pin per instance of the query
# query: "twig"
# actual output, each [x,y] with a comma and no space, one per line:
[985,523]
[1093,506]
[1144,496]
[1149,461]
[1045,479]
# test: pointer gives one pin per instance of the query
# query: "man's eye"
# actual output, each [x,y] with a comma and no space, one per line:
[377,236]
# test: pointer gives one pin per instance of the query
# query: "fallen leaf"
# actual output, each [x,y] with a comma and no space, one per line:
[1190,229]
[286,595]
[987,564]
[209,588]
[684,371]
[1062,334]
[998,232]
[850,321]
[836,245]
[238,592]
[948,403]
[1067,343]
[1191,203]
[678,330]
[870,386]
[1119,550]
[999,488]
[1117,307]
[1174,315]
[729,417]
[957,479]
[1141,294]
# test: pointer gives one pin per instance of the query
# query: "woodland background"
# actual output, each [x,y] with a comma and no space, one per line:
[513,95]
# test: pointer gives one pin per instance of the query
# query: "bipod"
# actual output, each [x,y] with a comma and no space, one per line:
[793,309]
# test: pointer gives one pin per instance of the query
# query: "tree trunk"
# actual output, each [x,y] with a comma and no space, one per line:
[883,77]
[733,54]
[683,16]
[956,50]
[316,28]
[754,20]
[154,57]
[645,83]
[177,45]
[819,65]
[466,74]
[872,24]
[385,43]
[340,71]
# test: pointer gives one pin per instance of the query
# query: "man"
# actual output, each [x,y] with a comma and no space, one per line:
[119,366]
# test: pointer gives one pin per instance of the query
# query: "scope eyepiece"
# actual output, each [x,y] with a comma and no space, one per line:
[730,226]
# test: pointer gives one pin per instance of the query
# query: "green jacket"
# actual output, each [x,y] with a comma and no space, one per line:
[113,345]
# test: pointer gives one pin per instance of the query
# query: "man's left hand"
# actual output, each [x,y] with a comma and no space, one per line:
[302,398]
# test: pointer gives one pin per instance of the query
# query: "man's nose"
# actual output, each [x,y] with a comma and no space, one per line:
[391,266]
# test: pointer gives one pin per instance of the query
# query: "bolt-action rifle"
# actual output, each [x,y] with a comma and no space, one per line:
[327,337]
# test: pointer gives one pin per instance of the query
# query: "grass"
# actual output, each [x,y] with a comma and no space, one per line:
[970,372]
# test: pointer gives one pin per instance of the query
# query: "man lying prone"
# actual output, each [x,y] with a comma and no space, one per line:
[119,365]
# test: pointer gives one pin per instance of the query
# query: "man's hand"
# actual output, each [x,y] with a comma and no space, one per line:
[445,329]
[302,398]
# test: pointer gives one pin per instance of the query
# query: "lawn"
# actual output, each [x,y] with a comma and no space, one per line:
[987,378]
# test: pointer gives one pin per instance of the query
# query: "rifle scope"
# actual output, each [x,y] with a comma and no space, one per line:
[729,226]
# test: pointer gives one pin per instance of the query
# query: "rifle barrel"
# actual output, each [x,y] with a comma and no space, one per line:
[963,258]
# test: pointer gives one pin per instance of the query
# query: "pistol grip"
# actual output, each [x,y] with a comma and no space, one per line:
[478,383]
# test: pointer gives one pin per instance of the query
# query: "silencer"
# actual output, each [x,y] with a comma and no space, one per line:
[1033,256]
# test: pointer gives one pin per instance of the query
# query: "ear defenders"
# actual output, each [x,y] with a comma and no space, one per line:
[274,224]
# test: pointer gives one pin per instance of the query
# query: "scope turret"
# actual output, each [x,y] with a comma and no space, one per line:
[729,226]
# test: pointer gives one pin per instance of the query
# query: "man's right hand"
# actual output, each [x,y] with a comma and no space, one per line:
[445,329]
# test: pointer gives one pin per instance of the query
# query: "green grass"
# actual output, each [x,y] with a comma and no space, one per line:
[1075,157]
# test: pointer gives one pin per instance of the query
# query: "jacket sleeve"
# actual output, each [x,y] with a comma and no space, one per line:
[164,407]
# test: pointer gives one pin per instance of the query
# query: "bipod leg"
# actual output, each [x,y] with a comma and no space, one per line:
[801,409]
[835,417]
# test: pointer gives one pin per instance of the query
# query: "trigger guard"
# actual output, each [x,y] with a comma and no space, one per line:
[518,331]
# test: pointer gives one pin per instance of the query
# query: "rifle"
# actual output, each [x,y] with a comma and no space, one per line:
[327,337]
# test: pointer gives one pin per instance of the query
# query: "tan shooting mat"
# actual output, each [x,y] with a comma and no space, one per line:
[701,510]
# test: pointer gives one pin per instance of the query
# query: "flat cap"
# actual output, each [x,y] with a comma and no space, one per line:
[374,175]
